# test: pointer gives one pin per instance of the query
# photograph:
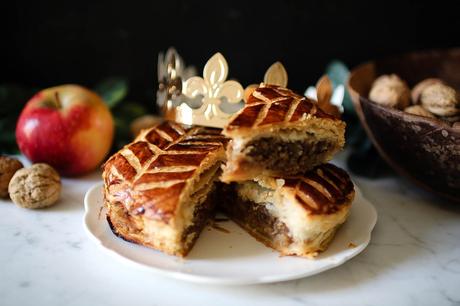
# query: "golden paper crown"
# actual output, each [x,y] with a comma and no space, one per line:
[211,99]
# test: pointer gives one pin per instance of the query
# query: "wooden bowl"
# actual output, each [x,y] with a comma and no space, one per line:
[425,150]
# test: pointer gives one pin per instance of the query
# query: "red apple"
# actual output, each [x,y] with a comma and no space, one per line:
[68,127]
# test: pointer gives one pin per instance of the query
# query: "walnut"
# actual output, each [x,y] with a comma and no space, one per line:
[8,166]
[391,91]
[418,110]
[440,99]
[35,187]
[417,90]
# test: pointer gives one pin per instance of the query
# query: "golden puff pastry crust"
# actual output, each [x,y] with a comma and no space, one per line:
[158,190]
[279,132]
[296,215]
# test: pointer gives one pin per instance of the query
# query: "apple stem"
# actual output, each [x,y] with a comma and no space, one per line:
[57,100]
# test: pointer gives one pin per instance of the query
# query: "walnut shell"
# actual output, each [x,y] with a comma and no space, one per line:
[35,187]
[418,110]
[391,91]
[8,167]
[440,99]
[420,87]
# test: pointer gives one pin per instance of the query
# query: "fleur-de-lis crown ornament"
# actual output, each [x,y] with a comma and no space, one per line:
[276,74]
[209,100]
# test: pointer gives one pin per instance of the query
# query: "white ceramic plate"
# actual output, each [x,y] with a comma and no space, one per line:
[234,257]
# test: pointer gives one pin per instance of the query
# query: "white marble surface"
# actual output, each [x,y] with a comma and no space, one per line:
[413,259]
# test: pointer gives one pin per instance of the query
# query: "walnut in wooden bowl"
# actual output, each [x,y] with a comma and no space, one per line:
[423,149]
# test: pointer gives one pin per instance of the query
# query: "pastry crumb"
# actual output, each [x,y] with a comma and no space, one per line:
[351,245]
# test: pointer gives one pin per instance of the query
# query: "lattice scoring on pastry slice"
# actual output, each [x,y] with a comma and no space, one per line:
[280,133]
[293,215]
[158,189]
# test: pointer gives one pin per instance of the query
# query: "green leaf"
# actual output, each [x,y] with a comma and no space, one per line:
[124,114]
[348,103]
[338,73]
[130,110]
[112,90]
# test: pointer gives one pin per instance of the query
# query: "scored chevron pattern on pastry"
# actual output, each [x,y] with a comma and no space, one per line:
[321,190]
[269,104]
[157,166]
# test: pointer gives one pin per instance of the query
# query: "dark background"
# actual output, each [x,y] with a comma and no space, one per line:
[47,44]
